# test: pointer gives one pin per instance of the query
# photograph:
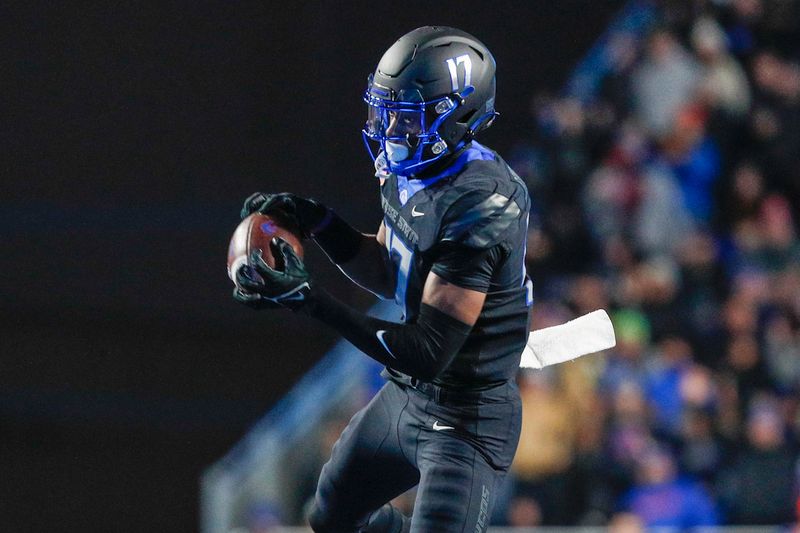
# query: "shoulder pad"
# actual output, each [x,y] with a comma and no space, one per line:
[479,219]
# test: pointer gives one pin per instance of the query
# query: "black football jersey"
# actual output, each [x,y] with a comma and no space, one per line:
[484,206]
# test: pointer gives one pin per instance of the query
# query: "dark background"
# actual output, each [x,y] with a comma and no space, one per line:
[131,133]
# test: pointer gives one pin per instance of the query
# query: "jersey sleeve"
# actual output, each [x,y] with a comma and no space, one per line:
[466,267]
[479,219]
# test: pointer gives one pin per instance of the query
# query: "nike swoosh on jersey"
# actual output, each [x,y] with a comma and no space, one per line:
[415,213]
[380,333]
[437,427]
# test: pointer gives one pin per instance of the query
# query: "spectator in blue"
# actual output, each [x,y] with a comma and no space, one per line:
[695,160]
[660,499]
[666,370]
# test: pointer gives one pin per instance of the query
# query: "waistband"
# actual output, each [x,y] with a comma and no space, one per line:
[438,393]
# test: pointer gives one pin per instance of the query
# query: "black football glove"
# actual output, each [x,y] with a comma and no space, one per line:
[251,299]
[304,214]
[261,286]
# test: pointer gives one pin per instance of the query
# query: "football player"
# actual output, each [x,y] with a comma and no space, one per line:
[450,250]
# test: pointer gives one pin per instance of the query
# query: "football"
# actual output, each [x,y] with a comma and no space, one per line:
[256,232]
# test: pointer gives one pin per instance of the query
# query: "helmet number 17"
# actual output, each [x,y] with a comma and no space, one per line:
[453,64]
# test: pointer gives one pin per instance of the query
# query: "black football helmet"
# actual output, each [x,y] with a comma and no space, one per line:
[432,92]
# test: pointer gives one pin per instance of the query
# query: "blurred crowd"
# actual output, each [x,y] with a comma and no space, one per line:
[671,199]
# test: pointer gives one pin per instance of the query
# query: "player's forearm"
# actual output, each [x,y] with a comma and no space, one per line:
[371,268]
[422,350]
[357,254]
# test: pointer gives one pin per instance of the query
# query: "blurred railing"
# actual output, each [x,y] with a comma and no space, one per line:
[256,474]
[634,20]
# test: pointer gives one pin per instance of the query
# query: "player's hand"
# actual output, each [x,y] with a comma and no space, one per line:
[253,299]
[305,214]
[261,286]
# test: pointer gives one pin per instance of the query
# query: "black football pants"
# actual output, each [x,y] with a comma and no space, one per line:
[456,451]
